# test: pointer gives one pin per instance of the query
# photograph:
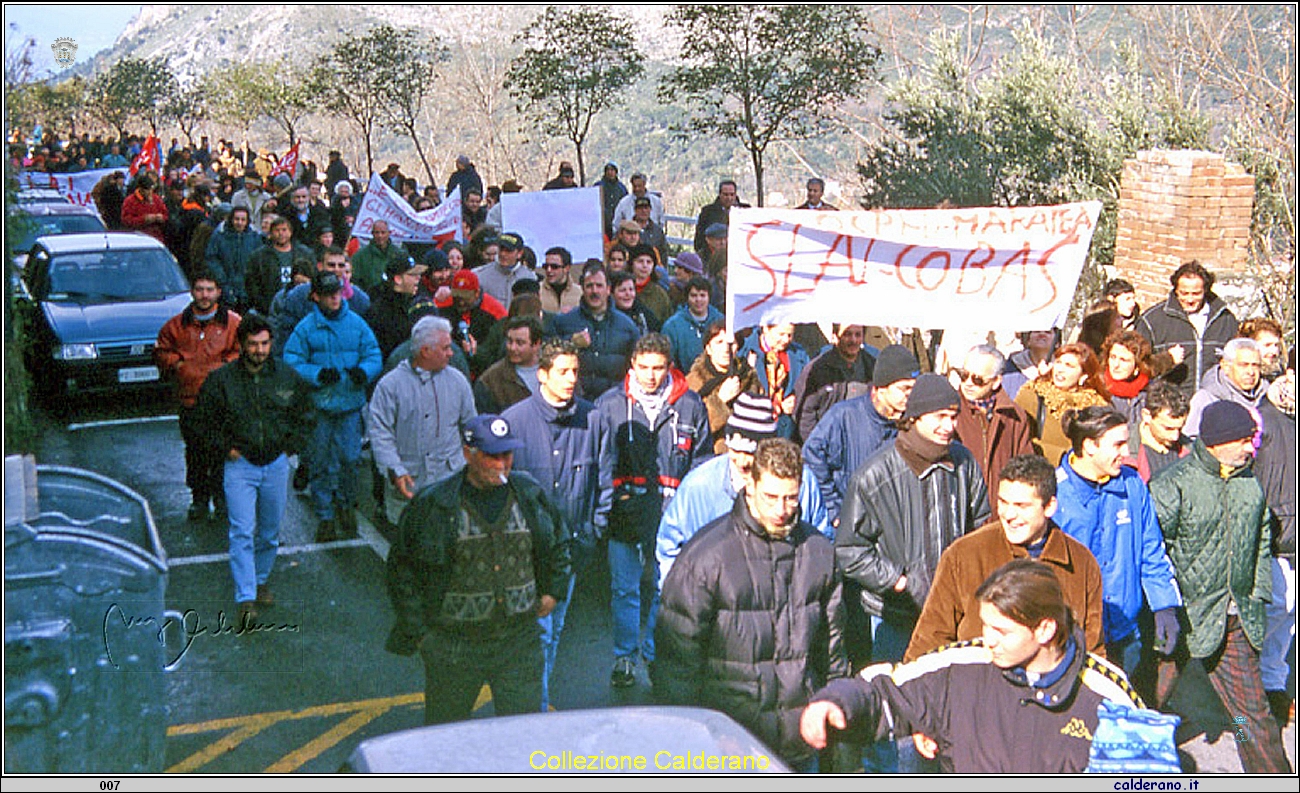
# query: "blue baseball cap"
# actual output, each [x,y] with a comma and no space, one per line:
[489,433]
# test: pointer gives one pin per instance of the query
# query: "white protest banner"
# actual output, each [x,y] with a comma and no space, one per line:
[998,267]
[569,218]
[441,223]
[75,187]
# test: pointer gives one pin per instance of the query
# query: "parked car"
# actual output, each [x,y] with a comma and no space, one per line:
[94,304]
[29,195]
[44,220]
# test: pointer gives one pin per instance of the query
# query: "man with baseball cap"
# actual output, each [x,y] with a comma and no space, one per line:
[472,313]
[334,349]
[1213,515]
[479,557]
[390,303]
[496,278]
[854,429]
[709,491]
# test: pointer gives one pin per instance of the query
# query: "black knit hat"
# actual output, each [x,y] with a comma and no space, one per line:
[1225,421]
[894,363]
[931,393]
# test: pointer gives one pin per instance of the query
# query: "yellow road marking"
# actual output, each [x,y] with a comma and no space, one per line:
[245,727]
[313,748]
[219,747]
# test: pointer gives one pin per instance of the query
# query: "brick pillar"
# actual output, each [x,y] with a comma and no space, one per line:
[1175,206]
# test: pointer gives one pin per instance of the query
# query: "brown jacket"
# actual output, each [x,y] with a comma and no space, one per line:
[995,441]
[701,373]
[1050,439]
[951,613]
[499,387]
[562,302]
[187,351]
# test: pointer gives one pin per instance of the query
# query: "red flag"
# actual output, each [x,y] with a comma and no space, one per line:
[287,164]
[150,156]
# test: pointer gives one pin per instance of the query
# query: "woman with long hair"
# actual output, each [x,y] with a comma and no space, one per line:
[1127,354]
[1074,382]
[719,376]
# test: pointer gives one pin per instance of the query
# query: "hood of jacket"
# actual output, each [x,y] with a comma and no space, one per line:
[1221,387]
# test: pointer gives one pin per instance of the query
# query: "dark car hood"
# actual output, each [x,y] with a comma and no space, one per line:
[108,322]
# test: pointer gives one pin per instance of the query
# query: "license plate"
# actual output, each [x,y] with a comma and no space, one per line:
[138,374]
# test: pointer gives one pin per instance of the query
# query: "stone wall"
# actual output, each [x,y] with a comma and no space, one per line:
[1175,206]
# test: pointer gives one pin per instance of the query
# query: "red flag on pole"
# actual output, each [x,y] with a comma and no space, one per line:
[287,164]
[150,156]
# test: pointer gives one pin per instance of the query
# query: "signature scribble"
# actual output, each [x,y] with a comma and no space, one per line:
[189,627]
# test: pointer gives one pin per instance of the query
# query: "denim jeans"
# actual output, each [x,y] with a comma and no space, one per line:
[634,591]
[888,645]
[1279,637]
[255,497]
[1126,653]
[335,451]
[552,625]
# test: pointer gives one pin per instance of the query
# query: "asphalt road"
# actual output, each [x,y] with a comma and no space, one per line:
[300,698]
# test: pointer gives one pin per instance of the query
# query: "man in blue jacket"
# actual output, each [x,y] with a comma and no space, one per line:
[603,335]
[709,491]
[1106,506]
[334,349]
[563,440]
[854,429]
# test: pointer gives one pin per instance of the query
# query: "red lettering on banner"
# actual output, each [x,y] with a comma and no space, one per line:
[1023,256]
[756,259]
[786,291]
[898,266]
[968,264]
[943,274]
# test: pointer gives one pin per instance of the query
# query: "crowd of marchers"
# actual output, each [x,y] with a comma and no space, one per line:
[1005,536]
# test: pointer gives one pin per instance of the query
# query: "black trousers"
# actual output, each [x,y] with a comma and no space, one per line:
[204,462]
[455,670]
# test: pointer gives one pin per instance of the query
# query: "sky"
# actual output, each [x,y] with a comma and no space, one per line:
[93,27]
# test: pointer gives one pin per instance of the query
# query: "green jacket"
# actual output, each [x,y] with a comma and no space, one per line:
[1216,532]
[369,264]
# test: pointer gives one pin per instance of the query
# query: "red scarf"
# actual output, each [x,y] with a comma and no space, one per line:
[1127,389]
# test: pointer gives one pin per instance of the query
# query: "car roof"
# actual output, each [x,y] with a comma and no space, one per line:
[37,210]
[97,241]
[40,195]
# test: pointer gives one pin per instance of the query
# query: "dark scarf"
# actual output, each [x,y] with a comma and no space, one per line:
[919,453]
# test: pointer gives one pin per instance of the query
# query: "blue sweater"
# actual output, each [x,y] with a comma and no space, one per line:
[706,494]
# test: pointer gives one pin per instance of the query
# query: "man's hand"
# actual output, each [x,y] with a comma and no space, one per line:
[787,405]
[545,606]
[901,584]
[469,345]
[812,724]
[328,376]
[358,376]
[1177,353]
[405,485]
[925,746]
[1167,631]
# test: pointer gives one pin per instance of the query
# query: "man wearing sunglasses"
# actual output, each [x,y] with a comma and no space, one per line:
[989,424]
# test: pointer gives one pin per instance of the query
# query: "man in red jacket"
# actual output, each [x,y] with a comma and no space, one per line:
[192,345]
[144,210]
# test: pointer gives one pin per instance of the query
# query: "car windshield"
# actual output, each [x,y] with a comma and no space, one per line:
[112,276]
[43,225]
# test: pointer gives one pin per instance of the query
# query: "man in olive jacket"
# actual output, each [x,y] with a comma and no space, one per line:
[479,557]
[1212,512]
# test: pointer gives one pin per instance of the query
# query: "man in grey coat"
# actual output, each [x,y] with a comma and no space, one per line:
[417,414]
